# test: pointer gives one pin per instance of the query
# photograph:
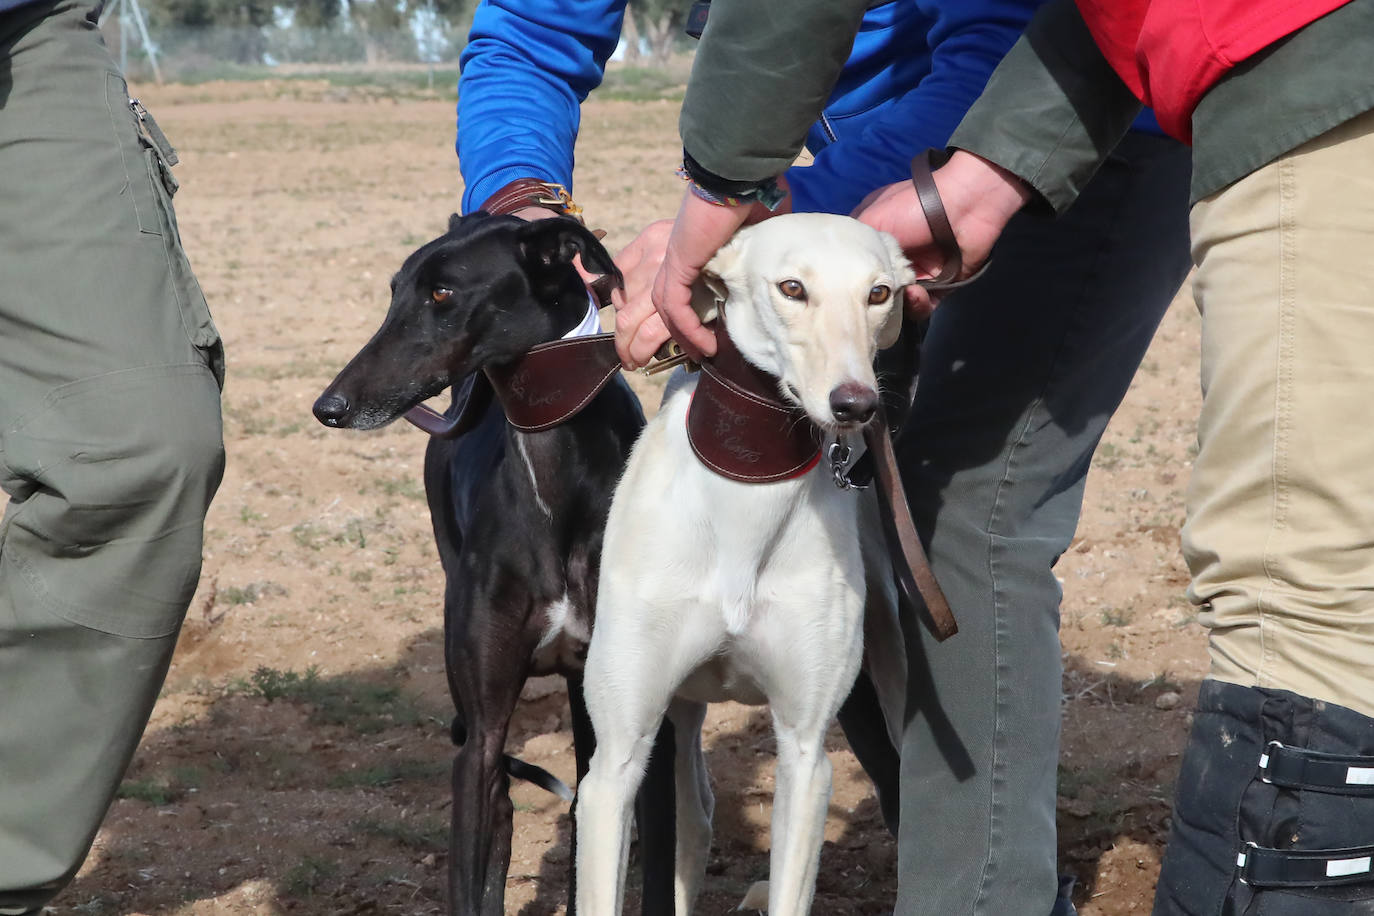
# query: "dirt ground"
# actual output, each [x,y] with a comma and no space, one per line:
[297,759]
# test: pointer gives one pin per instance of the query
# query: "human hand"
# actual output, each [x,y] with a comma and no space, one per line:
[699,231]
[979,197]
[638,327]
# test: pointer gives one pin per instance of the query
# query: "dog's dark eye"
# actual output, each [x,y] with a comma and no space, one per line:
[440,294]
[879,294]
[792,289]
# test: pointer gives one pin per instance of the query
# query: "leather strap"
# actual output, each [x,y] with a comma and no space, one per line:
[531,192]
[740,428]
[551,383]
[923,179]
[909,563]
[547,386]
[472,397]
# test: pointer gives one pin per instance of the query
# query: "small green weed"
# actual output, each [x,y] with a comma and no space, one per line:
[250,593]
[362,706]
[389,774]
[152,791]
[307,876]
[1116,617]
[427,835]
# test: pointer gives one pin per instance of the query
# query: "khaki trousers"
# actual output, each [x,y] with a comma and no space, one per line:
[1280,532]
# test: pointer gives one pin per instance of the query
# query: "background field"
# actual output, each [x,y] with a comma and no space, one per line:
[297,760]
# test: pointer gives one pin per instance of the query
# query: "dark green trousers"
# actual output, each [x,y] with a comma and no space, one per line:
[110,439]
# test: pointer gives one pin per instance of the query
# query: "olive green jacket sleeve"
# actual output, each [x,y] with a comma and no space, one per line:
[761,77]
[1053,109]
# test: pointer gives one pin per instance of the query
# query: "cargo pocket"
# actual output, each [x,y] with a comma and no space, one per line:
[112,477]
[140,194]
[159,157]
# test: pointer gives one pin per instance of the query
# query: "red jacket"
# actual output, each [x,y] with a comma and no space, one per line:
[1170,52]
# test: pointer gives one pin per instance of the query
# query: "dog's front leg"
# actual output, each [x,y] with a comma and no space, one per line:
[801,797]
[605,801]
[628,688]
[486,675]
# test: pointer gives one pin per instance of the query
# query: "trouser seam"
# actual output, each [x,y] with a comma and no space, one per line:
[1282,405]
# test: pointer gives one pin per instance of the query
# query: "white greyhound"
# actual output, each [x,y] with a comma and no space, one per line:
[713,589]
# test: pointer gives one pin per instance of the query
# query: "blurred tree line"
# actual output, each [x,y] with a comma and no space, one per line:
[315,31]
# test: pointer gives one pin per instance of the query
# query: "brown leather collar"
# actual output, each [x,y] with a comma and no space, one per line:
[740,428]
[551,383]
[547,386]
[532,192]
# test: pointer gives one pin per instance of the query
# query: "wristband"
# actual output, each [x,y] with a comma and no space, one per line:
[767,193]
[531,192]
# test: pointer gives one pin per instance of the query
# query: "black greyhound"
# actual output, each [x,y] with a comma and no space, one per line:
[518,516]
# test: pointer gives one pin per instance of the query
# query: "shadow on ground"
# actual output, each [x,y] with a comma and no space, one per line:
[292,792]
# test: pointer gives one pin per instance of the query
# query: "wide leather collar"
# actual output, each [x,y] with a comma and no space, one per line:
[551,383]
[547,386]
[740,428]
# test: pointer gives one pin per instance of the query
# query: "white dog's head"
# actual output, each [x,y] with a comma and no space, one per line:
[811,298]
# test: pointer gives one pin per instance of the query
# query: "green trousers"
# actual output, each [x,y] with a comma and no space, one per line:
[110,439]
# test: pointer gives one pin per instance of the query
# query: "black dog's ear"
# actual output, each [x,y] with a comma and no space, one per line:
[546,242]
[454,221]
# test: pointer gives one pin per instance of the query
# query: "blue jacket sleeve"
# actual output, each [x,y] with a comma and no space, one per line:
[527,67]
[965,41]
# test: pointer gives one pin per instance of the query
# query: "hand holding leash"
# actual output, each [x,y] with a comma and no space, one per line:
[946,220]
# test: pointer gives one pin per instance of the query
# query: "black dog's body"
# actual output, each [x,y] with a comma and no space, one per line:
[518,516]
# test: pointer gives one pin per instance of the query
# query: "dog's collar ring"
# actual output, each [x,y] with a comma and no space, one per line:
[839,454]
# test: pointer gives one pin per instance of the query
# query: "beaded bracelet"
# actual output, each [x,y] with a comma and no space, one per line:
[768,193]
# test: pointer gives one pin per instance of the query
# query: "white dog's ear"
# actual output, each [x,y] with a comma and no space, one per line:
[708,295]
[903,275]
[712,288]
[902,271]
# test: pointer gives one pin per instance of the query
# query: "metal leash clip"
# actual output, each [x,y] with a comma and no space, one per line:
[839,455]
[668,356]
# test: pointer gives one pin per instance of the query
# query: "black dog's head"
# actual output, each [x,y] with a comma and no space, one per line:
[481,294]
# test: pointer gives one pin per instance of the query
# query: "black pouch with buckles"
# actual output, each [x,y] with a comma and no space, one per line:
[1274,814]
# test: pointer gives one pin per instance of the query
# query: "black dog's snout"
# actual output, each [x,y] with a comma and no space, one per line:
[331,409]
[853,402]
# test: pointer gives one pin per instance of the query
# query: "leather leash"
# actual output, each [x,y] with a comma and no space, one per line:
[923,179]
[909,562]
